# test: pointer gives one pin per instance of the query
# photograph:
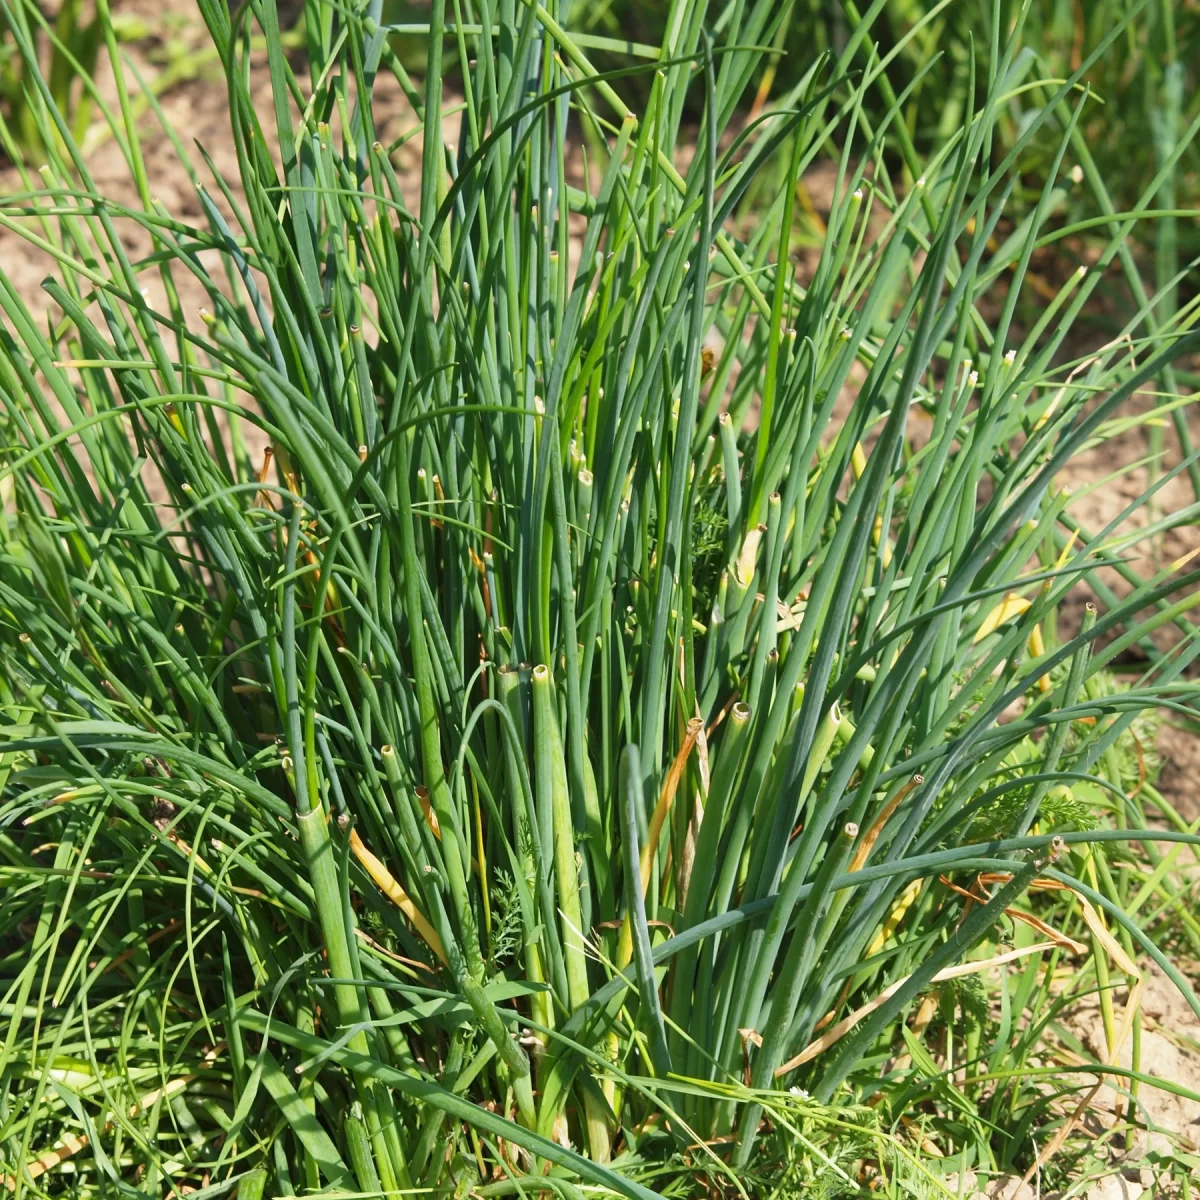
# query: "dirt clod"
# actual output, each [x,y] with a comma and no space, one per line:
[1009,1187]
[1114,1187]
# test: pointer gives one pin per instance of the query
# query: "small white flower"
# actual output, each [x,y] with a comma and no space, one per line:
[799,1091]
[1010,357]
[1076,174]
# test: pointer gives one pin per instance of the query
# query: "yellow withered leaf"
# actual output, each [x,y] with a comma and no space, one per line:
[1037,647]
[1011,606]
[385,881]
[903,903]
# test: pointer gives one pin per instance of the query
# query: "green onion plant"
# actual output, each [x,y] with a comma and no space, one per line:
[499,699]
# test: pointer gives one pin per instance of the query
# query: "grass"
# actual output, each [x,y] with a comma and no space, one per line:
[552,765]
[71,45]
[1146,85]
[67,44]
[1140,72]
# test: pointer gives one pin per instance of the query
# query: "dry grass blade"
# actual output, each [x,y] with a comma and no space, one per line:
[843,1027]
[387,884]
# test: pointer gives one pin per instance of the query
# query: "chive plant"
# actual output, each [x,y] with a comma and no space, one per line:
[557,745]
